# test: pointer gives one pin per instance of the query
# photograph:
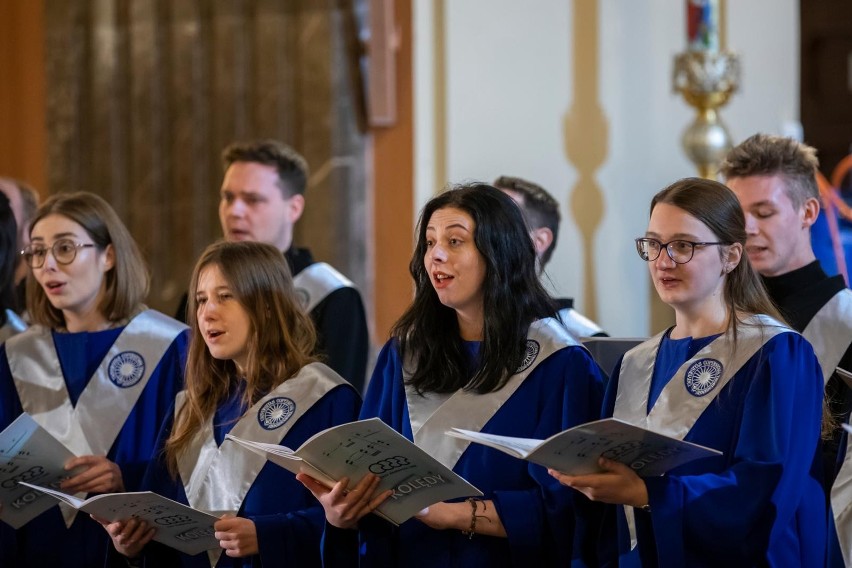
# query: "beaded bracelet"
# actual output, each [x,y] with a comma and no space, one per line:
[473,516]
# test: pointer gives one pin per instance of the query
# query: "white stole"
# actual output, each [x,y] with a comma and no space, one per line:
[13,326]
[217,478]
[316,282]
[683,401]
[91,426]
[432,415]
[841,504]
[830,331]
[578,324]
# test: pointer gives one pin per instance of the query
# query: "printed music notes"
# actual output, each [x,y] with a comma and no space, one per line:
[370,446]
[576,451]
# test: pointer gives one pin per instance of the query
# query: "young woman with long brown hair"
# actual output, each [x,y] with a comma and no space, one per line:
[251,372]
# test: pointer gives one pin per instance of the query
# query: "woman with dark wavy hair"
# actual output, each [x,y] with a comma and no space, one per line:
[251,372]
[729,375]
[477,349]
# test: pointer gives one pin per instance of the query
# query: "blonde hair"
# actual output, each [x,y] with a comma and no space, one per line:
[765,155]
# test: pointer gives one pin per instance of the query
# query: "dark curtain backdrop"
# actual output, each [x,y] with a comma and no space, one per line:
[144,94]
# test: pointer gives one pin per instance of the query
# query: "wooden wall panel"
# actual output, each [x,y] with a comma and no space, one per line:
[144,94]
[393,204]
[193,197]
[23,146]
[65,44]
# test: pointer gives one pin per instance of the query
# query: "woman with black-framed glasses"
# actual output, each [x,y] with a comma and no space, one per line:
[731,376]
[97,369]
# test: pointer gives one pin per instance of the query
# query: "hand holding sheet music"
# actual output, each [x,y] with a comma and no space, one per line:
[370,446]
[29,453]
[179,526]
[576,451]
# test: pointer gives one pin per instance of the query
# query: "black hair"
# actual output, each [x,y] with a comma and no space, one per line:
[428,333]
[8,258]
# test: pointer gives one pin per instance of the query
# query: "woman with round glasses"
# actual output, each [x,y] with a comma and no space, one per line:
[98,370]
[477,349]
[729,375]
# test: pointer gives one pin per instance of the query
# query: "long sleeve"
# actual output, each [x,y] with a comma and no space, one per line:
[343,337]
[761,502]
[539,518]
[292,538]
[288,519]
[537,512]
[132,449]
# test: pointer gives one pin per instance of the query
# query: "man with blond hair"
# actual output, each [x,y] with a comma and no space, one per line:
[774,179]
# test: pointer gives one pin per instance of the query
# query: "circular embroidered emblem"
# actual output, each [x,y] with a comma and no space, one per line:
[530,356]
[303,296]
[275,412]
[702,376]
[126,369]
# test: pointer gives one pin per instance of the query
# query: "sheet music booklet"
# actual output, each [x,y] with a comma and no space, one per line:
[354,449]
[28,452]
[576,451]
[179,526]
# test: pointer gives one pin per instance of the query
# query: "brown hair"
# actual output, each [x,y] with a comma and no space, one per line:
[291,166]
[281,336]
[765,155]
[539,207]
[717,207]
[126,284]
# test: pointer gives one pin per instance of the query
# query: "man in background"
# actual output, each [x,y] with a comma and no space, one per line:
[262,198]
[774,179]
[541,212]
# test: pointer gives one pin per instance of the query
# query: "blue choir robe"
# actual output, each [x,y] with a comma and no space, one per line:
[539,514]
[759,504]
[45,541]
[289,520]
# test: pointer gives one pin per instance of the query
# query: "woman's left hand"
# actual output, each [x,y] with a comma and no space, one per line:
[100,476]
[443,516]
[618,484]
[236,535]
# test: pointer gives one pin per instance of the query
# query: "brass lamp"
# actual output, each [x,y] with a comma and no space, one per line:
[706,80]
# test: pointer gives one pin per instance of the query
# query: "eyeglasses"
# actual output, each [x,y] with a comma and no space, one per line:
[679,251]
[64,252]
